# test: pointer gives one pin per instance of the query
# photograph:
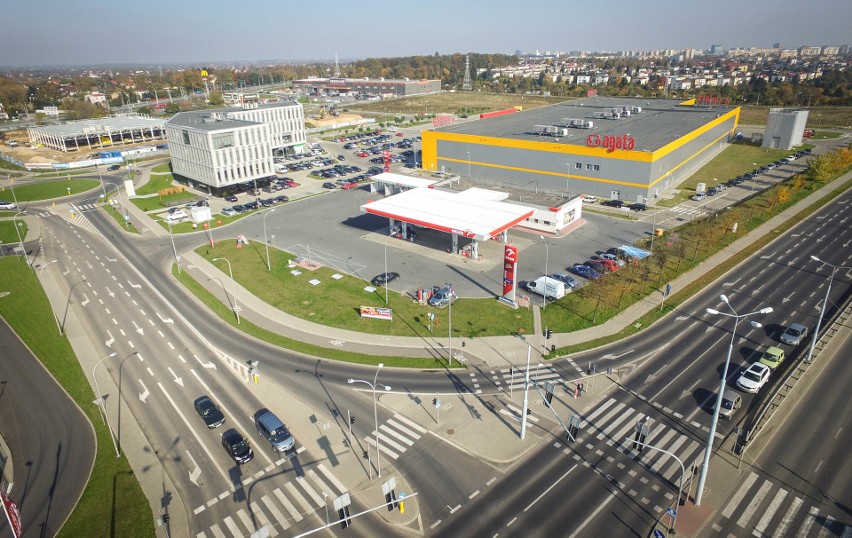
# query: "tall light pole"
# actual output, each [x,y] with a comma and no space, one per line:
[653,226]
[233,287]
[41,277]
[526,389]
[546,261]
[468,164]
[172,237]
[709,448]
[680,486]
[375,412]
[265,242]
[100,403]
[450,293]
[386,268]
[101,178]
[834,269]
[18,231]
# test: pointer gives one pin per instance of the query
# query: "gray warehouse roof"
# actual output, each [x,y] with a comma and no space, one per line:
[660,121]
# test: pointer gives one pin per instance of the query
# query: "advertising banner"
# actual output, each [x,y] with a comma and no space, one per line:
[377,313]
[12,513]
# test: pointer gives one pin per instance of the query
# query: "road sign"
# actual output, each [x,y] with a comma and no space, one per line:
[670,511]
[659,534]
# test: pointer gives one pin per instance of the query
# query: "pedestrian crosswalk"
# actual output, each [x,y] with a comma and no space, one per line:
[765,508]
[512,378]
[278,510]
[688,210]
[396,435]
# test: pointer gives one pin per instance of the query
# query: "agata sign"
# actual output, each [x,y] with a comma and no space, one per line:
[611,142]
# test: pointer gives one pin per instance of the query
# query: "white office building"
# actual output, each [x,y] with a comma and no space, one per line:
[223,147]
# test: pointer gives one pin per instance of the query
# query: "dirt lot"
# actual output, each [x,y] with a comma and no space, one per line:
[48,155]
[331,120]
[455,103]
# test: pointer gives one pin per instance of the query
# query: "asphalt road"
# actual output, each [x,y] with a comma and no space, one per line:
[51,441]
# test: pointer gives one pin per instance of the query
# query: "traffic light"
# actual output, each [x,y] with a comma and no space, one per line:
[548,396]
[344,517]
[547,334]
[351,420]
[166,518]
[390,500]
[434,401]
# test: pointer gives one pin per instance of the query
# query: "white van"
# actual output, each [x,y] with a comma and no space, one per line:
[547,287]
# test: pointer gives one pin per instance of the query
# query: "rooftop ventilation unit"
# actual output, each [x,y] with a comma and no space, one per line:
[550,130]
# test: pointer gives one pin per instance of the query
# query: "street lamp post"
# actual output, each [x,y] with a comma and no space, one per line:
[450,322]
[41,277]
[172,237]
[468,164]
[386,268]
[265,242]
[834,269]
[375,412]
[680,486]
[233,287]
[709,448]
[526,389]
[100,403]
[546,261]
[18,231]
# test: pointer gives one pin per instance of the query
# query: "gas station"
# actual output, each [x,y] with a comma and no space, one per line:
[474,215]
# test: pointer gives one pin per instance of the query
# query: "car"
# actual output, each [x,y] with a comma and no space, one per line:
[341,157]
[638,207]
[400,134]
[239,208]
[273,430]
[712,191]
[209,412]
[587,199]
[281,199]
[731,401]
[698,197]
[772,357]
[180,214]
[349,185]
[6,205]
[229,212]
[619,254]
[442,296]
[566,279]
[613,257]
[329,185]
[610,265]
[237,447]
[614,203]
[384,278]
[794,334]
[754,377]
[596,266]
[114,167]
[585,271]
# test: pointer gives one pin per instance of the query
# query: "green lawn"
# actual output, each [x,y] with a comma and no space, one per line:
[336,302]
[8,235]
[161,178]
[117,214]
[48,190]
[113,503]
[825,135]
[160,202]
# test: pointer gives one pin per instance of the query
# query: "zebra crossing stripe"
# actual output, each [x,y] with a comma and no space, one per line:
[826,527]
[217,532]
[755,502]
[235,531]
[319,482]
[276,513]
[298,496]
[808,522]
[770,511]
[261,517]
[615,424]
[287,505]
[607,417]
[331,478]
[309,490]
[387,429]
[390,453]
[411,424]
[788,517]
[599,410]
[388,441]
[245,519]
[738,496]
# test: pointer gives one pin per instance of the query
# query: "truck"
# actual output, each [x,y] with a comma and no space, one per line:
[547,287]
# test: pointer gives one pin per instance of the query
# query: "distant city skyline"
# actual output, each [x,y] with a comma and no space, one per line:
[52,33]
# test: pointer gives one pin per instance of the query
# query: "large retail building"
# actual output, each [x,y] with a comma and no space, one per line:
[621,148]
[224,147]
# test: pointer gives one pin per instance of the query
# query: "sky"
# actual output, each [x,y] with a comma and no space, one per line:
[202,32]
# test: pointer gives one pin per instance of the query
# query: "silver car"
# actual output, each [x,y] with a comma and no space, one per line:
[794,334]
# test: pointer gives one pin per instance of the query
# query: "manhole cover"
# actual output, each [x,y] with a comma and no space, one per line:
[451,431]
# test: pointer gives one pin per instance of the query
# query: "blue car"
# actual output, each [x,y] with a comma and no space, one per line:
[585,271]
[566,279]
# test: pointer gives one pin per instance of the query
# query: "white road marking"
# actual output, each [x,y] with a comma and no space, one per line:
[738,496]
[551,487]
[760,528]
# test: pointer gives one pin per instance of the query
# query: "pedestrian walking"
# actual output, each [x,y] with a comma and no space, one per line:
[575,391]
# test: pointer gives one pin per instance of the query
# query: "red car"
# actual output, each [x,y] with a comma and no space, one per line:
[610,265]
[400,134]
[290,183]
[348,185]
[362,154]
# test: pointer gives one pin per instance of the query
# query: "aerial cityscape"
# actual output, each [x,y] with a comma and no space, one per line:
[425,270]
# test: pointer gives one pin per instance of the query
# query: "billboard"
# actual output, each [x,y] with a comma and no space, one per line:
[510,272]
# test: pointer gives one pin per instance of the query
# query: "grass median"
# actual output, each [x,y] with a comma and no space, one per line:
[112,503]
[48,190]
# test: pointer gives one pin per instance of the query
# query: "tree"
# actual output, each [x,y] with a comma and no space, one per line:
[216,99]
[172,108]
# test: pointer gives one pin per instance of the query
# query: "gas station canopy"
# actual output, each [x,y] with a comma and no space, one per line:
[454,213]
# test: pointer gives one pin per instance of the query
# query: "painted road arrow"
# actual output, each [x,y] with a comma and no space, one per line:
[178,380]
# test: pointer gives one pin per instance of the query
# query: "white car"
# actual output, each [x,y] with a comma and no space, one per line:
[177,216]
[589,199]
[753,379]
[794,334]
[229,212]
[6,205]
[698,197]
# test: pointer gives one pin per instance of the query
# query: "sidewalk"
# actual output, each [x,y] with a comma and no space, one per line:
[490,351]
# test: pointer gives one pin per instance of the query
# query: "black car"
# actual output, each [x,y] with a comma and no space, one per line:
[384,278]
[596,266]
[237,446]
[614,203]
[281,199]
[209,412]
[638,207]
[329,185]
[114,167]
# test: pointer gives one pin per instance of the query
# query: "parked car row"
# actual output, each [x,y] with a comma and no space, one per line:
[253,205]
[618,204]
[337,171]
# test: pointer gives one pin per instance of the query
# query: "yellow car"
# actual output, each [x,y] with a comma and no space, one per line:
[772,357]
